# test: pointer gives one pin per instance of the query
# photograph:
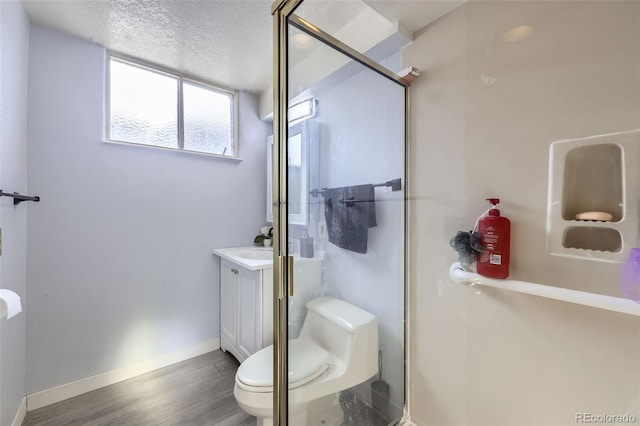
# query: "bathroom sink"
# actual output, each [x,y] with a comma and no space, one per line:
[253,258]
[257,254]
[256,258]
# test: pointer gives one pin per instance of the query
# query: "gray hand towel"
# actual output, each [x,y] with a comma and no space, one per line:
[350,212]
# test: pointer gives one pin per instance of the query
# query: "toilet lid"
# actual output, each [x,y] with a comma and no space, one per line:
[307,361]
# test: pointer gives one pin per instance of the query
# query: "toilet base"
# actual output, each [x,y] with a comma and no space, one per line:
[325,411]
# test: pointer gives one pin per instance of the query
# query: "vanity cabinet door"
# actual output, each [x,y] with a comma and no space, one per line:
[228,296]
[249,304]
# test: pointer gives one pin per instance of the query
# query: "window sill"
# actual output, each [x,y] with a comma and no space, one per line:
[203,154]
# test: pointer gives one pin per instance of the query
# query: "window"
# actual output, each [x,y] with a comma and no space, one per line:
[302,110]
[153,107]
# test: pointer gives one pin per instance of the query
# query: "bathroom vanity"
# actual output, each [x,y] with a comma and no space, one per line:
[246,297]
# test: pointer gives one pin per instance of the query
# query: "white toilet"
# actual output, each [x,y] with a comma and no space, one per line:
[337,349]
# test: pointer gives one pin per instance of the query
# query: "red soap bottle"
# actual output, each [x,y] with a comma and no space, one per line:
[496,239]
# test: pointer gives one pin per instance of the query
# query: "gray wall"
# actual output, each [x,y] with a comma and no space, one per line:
[120,262]
[362,141]
[14,42]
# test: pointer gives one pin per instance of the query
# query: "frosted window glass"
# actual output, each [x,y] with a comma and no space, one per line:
[301,111]
[208,120]
[143,105]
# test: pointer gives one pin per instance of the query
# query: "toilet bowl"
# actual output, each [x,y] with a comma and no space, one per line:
[337,349]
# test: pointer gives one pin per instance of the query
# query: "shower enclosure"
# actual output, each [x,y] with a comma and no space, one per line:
[339,183]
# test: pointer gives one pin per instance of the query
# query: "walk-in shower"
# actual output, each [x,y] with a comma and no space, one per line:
[535,103]
[356,223]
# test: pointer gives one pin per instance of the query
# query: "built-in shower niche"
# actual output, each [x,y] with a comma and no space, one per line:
[593,181]
[594,174]
[592,238]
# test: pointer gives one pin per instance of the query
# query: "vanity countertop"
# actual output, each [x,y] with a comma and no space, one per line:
[256,258]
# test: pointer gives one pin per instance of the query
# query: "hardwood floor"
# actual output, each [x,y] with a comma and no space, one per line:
[196,392]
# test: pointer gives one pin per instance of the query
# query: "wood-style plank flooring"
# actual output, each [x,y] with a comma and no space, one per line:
[196,392]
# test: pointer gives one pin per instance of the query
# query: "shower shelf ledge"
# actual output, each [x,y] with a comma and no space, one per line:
[609,303]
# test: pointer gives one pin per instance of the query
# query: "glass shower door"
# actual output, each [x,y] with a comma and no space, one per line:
[342,252]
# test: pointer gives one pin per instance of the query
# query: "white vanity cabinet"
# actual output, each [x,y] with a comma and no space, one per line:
[246,309]
[246,297]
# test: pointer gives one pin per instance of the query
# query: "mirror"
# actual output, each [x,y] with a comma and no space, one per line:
[301,137]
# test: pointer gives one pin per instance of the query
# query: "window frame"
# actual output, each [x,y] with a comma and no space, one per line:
[181,78]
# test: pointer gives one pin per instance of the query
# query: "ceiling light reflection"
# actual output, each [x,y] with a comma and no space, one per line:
[518,33]
[302,41]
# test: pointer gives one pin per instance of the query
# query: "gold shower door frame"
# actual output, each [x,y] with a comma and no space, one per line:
[282,11]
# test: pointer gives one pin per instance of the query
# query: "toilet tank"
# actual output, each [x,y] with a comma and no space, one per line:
[347,332]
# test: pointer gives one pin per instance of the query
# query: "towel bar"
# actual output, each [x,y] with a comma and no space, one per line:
[395,185]
[18,198]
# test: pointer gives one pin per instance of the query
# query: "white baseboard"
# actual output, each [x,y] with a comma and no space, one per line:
[88,384]
[22,411]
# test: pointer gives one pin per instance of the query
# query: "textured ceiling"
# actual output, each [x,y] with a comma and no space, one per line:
[227,42]
[224,41]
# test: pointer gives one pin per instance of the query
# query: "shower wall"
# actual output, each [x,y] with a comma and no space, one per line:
[14,42]
[484,113]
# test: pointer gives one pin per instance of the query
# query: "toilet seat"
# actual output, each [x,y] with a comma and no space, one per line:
[308,361]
